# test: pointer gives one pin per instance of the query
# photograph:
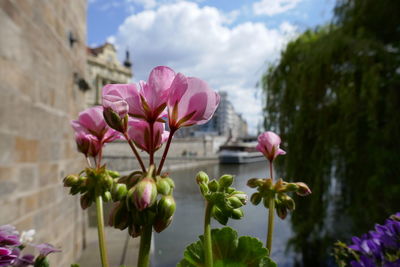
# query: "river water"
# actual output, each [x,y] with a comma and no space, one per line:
[188,220]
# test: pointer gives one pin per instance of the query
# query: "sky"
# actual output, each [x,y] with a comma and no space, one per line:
[227,43]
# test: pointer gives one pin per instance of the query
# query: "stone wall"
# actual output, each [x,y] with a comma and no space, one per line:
[38,99]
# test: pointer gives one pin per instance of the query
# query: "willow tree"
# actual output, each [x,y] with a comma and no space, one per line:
[334,97]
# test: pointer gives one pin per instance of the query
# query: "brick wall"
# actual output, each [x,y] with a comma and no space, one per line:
[38,99]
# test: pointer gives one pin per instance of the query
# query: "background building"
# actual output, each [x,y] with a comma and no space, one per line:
[42,75]
[226,122]
[103,67]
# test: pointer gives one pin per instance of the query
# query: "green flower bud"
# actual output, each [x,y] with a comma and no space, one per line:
[234,202]
[255,182]
[108,182]
[204,189]
[71,180]
[170,182]
[288,202]
[256,198]
[266,202]
[219,215]
[213,185]
[241,196]
[226,180]
[166,207]
[292,187]
[128,200]
[230,190]
[114,120]
[237,214]
[74,190]
[163,186]
[113,174]
[202,177]
[119,191]
[106,196]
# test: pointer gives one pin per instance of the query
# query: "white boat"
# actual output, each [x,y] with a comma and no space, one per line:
[240,152]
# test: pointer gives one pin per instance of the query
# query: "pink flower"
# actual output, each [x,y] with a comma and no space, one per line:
[154,94]
[118,97]
[92,132]
[144,194]
[268,144]
[139,132]
[191,101]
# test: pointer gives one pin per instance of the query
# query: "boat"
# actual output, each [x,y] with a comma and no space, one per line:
[240,152]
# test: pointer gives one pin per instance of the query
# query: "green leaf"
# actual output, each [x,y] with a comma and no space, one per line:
[228,251]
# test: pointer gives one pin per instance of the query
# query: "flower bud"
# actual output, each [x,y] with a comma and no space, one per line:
[204,189]
[303,190]
[219,216]
[256,198]
[292,187]
[234,202]
[202,177]
[106,196]
[129,199]
[114,120]
[86,200]
[119,191]
[74,190]
[226,180]
[213,185]
[71,180]
[119,217]
[288,202]
[170,182]
[166,207]
[237,214]
[108,182]
[230,190]
[255,182]
[145,194]
[134,230]
[113,174]
[161,224]
[280,186]
[163,186]
[241,196]
[281,211]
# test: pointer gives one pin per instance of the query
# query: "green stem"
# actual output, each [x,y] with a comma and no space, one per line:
[145,244]
[100,231]
[271,208]
[207,236]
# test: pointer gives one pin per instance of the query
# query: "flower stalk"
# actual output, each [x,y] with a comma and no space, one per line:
[134,150]
[164,156]
[271,208]
[145,244]
[100,231]
[207,235]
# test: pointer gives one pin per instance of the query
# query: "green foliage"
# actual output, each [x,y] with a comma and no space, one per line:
[334,97]
[228,251]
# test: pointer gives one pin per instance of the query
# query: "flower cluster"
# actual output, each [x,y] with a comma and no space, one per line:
[226,201]
[268,144]
[380,247]
[12,244]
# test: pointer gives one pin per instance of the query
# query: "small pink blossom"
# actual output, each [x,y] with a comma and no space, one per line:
[268,144]
[154,93]
[139,132]
[92,132]
[121,96]
[191,101]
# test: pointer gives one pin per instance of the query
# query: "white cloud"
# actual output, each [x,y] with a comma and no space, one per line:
[198,42]
[273,7]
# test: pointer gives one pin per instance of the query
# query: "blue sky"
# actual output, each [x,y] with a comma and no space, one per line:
[228,43]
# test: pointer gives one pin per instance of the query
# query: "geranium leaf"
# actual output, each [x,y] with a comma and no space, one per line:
[228,251]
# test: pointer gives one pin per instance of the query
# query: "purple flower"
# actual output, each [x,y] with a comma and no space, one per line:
[23,261]
[6,256]
[8,236]
[45,249]
[379,247]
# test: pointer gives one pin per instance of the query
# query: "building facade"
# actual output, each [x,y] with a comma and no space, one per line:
[103,67]
[225,122]
[42,74]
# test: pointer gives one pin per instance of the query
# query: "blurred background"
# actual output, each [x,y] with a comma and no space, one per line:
[324,74]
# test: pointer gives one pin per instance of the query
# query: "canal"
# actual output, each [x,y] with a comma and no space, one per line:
[188,220]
